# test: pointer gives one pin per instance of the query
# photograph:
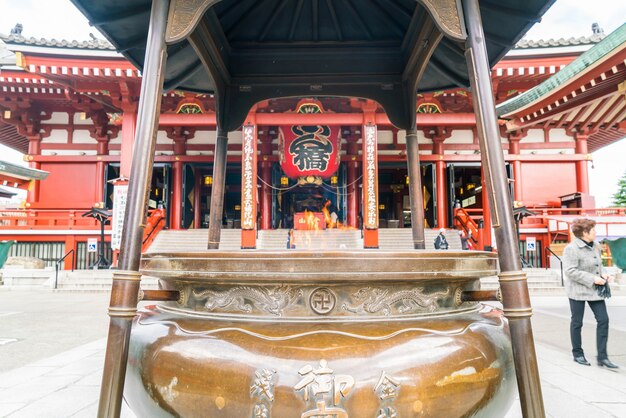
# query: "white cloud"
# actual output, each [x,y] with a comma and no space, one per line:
[57,19]
[573,18]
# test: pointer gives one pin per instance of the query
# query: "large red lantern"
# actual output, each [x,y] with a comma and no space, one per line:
[309,150]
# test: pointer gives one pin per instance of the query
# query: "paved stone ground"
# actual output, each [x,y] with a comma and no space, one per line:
[54,367]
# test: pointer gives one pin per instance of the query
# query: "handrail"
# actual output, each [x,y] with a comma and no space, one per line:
[560,262]
[56,265]
[469,225]
[153,227]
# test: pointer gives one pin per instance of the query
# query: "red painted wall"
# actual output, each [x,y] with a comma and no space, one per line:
[69,186]
[545,182]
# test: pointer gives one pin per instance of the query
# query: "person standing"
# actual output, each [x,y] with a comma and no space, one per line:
[441,243]
[586,283]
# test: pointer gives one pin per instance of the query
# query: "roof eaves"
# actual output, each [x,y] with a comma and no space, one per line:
[94,44]
[600,50]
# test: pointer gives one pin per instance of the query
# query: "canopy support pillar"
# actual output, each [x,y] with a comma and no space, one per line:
[217,191]
[516,300]
[125,287]
[416,196]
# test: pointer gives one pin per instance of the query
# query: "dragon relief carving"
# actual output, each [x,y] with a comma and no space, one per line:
[245,298]
[374,300]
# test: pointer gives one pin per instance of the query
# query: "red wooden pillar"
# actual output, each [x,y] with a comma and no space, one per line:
[370,182]
[70,244]
[102,149]
[486,213]
[176,205]
[517,181]
[179,135]
[99,189]
[129,121]
[266,175]
[249,184]
[514,151]
[582,176]
[440,179]
[197,223]
[352,189]
[34,148]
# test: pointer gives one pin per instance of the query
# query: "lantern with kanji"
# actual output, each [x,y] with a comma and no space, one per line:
[309,150]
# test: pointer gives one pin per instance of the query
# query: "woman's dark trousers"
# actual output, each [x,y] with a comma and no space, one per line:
[598,307]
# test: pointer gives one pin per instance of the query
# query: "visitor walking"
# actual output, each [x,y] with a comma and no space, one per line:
[587,282]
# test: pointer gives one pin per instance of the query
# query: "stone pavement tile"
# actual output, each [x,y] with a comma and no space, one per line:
[66,357]
[560,403]
[92,411]
[23,374]
[92,379]
[81,366]
[60,404]
[618,409]
[553,362]
[36,388]
[7,408]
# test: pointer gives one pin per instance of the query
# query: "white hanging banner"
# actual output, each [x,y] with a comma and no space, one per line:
[248,178]
[370,177]
[120,191]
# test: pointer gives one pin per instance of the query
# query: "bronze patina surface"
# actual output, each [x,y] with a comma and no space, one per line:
[320,334]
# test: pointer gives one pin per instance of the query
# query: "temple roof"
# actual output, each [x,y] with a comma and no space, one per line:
[92,44]
[334,49]
[549,43]
[586,97]
[14,175]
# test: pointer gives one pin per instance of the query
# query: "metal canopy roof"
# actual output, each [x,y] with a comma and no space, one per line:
[245,51]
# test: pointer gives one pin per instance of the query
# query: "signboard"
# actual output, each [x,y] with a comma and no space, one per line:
[531,244]
[92,245]
[309,150]
[370,177]
[248,178]
[117,220]
[309,221]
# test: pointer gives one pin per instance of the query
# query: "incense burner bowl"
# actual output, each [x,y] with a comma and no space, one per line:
[320,334]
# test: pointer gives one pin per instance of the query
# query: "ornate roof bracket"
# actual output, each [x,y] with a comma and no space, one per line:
[427,38]
[183,18]
[203,43]
[448,16]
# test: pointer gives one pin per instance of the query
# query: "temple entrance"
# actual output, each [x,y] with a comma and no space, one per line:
[292,198]
[160,187]
[465,188]
[394,206]
[197,187]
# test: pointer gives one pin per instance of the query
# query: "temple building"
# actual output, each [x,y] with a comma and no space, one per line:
[71,108]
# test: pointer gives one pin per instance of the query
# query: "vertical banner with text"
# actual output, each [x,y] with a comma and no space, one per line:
[249,178]
[120,191]
[370,177]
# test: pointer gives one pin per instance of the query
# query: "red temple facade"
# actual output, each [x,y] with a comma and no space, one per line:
[71,108]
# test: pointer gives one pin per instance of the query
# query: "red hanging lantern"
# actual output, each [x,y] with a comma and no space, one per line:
[309,150]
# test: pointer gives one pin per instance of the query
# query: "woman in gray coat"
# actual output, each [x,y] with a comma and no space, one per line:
[584,272]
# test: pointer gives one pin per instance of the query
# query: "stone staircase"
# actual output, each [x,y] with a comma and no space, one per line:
[183,240]
[543,281]
[94,281]
[19,278]
[67,281]
[276,239]
[402,239]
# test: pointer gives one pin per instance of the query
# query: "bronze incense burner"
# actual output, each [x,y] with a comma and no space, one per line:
[320,334]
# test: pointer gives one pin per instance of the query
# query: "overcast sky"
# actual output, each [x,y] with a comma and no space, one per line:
[59,19]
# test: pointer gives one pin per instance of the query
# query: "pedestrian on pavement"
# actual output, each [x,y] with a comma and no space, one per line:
[587,282]
[441,243]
